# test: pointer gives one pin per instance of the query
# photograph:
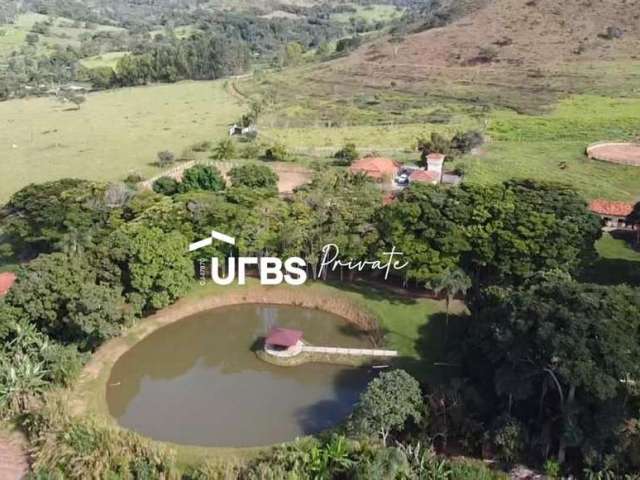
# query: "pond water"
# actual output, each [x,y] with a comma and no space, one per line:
[199,382]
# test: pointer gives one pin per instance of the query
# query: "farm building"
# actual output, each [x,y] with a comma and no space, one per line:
[614,214]
[380,169]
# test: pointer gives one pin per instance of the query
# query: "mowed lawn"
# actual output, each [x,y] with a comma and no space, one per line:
[114,133]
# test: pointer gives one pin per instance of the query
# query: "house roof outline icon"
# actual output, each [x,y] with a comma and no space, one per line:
[209,241]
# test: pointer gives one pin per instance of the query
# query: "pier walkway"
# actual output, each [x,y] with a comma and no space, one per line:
[364,352]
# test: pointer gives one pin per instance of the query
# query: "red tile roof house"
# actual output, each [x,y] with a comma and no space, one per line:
[614,214]
[6,282]
[381,169]
[425,176]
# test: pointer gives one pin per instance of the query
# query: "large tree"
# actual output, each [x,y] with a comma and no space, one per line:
[155,266]
[62,297]
[556,351]
[37,218]
[389,402]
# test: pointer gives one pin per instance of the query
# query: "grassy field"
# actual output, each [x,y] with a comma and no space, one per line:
[61,32]
[114,133]
[552,147]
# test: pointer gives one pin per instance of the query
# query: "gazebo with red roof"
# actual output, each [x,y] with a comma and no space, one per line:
[283,338]
[7,280]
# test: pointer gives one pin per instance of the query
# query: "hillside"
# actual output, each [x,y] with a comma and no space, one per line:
[506,52]
[523,33]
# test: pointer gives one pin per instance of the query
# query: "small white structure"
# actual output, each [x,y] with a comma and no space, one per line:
[238,130]
[435,162]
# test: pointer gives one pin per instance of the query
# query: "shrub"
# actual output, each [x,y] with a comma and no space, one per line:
[133,178]
[201,146]
[384,463]
[224,150]
[30,363]
[347,154]
[202,177]
[166,186]
[345,45]
[32,38]
[250,151]
[461,169]
[69,448]
[276,153]
[165,158]
[254,176]
[552,469]
[509,438]
[612,33]
[467,141]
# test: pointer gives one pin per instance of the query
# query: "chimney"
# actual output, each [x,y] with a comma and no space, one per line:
[434,164]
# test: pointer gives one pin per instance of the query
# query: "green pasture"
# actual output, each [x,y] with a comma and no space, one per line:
[552,147]
[62,32]
[113,134]
[109,59]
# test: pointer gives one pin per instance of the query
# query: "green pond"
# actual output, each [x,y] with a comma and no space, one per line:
[199,382]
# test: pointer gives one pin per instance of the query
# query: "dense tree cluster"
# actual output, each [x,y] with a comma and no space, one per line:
[562,358]
[497,234]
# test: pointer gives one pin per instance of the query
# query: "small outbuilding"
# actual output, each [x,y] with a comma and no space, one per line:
[614,214]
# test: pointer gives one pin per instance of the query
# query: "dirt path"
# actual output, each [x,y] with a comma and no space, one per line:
[13,458]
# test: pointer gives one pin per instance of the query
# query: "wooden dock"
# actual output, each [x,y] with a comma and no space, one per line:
[361,352]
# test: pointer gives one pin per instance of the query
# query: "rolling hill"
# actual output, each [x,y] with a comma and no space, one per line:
[521,54]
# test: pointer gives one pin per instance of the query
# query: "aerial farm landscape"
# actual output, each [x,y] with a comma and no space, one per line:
[319,239]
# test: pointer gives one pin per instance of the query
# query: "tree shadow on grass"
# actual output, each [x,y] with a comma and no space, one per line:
[436,344]
[614,267]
